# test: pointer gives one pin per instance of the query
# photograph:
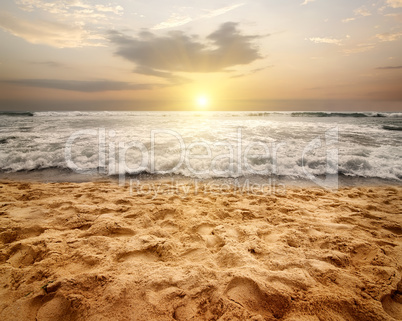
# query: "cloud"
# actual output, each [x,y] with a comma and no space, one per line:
[61,6]
[253,71]
[178,52]
[362,11]
[81,86]
[54,34]
[174,79]
[70,8]
[389,36]
[62,23]
[306,2]
[359,12]
[221,11]
[394,3]
[396,16]
[118,10]
[331,41]
[49,63]
[176,20]
[362,47]
[389,67]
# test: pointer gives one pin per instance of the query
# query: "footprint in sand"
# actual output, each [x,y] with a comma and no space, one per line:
[248,294]
[108,225]
[170,226]
[206,231]
[123,202]
[272,237]
[20,233]
[394,228]
[369,254]
[164,214]
[392,303]
[195,255]
[22,255]
[57,309]
[138,256]
[40,308]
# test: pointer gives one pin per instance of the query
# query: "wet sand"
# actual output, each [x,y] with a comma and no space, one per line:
[97,251]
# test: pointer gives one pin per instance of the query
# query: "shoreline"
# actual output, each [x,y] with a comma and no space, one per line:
[55,175]
[93,251]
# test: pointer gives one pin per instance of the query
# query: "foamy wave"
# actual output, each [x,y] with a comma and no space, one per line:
[367,148]
[291,164]
[199,114]
[349,114]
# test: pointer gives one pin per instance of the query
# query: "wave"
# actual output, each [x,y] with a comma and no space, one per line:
[366,149]
[262,114]
[70,113]
[390,127]
[209,114]
[199,114]
[338,114]
[57,173]
[293,168]
[106,113]
[5,140]
[16,113]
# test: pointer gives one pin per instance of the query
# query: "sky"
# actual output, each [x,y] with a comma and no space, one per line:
[194,55]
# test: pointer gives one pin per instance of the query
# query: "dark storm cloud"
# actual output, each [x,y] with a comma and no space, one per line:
[390,67]
[178,52]
[82,86]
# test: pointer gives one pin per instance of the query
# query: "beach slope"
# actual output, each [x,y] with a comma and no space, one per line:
[97,251]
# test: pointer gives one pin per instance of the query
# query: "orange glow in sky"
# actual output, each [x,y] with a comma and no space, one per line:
[249,55]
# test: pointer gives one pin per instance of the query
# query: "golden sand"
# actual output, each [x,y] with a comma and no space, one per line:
[97,251]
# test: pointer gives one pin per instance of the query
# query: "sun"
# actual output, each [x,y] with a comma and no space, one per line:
[202,101]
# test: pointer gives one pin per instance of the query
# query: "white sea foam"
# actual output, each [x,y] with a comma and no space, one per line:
[271,143]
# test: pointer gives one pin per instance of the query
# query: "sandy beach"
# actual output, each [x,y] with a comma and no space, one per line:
[97,251]
[200,160]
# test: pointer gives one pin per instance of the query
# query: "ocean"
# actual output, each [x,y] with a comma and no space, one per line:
[202,145]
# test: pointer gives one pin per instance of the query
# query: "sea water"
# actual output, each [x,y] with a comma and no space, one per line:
[294,145]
